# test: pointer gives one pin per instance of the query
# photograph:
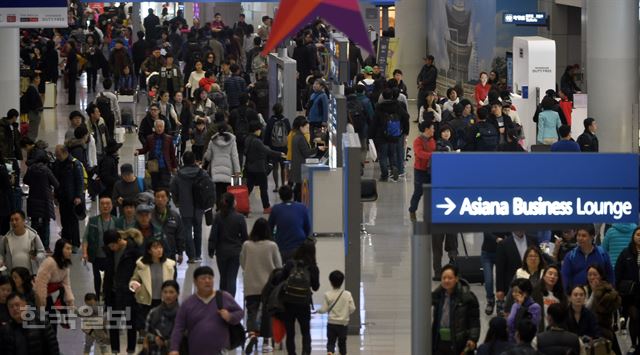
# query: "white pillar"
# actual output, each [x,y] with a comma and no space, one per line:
[412,28]
[188,13]
[612,68]
[9,70]
[136,22]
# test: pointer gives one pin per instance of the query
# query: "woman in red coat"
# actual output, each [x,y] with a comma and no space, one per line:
[482,89]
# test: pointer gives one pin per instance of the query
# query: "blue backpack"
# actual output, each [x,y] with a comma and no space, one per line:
[394,128]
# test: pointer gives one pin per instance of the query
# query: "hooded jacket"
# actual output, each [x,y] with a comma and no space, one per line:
[182,190]
[617,238]
[222,157]
[465,316]
[382,112]
[627,271]
[35,247]
[40,180]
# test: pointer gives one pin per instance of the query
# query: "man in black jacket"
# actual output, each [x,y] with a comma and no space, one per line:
[32,105]
[556,340]
[122,250]
[257,155]
[588,140]
[23,337]
[502,123]
[70,193]
[426,80]
[525,332]
[509,255]
[387,135]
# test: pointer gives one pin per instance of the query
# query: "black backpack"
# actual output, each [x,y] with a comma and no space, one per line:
[357,115]
[297,286]
[487,137]
[279,133]
[204,191]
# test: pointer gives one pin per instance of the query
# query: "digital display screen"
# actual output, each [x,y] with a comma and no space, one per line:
[530,19]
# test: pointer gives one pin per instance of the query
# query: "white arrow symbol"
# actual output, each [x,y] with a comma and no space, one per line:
[449,205]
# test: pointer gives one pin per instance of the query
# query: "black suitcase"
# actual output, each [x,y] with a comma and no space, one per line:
[470,267]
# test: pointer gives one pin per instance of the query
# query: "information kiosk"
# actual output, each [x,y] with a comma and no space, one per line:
[282,83]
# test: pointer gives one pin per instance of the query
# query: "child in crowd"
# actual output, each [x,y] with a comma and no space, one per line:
[197,140]
[338,303]
[93,324]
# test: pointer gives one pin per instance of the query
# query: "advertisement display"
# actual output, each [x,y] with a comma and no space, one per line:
[549,188]
[33,13]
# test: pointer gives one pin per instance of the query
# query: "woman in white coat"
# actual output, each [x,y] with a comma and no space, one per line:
[221,158]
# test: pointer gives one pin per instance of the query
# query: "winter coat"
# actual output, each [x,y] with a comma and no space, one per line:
[50,273]
[10,139]
[146,127]
[108,172]
[617,238]
[35,248]
[528,310]
[300,151]
[118,59]
[142,275]
[318,107]
[379,126]
[40,338]
[605,300]
[588,324]
[627,270]
[588,142]
[257,154]
[117,278]
[71,178]
[227,235]
[464,313]
[41,184]
[222,157]
[168,150]
[234,86]
[182,190]
[174,74]
[269,128]
[170,231]
[423,148]
[6,192]
[575,265]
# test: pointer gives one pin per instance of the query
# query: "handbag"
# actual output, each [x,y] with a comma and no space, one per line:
[236,331]
[153,166]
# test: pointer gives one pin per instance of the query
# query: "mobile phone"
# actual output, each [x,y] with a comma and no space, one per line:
[557,238]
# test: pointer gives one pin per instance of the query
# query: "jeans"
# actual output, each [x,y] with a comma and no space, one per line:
[339,333]
[41,225]
[69,221]
[400,150]
[160,179]
[99,264]
[420,177]
[92,78]
[450,246]
[193,241]
[387,154]
[302,314]
[488,262]
[259,179]
[228,266]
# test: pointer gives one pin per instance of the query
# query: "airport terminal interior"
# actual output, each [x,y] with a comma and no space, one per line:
[523,48]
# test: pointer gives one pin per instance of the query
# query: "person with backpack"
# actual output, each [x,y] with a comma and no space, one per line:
[368,82]
[482,136]
[98,128]
[228,232]
[301,278]
[275,137]
[318,107]
[423,146]
[70,193]
[259,93]
[107,170]
[358,117]
[193,191]
[256,164]
[239,120]
[109,106]
[387,131]
[259,257]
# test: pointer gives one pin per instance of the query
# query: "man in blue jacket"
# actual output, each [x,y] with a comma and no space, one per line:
[290,222]
[585,254]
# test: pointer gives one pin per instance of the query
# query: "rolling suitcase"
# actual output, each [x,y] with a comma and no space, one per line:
[241,193]
[470,267]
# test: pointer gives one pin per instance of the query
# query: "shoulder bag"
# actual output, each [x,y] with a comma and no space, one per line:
[236,332]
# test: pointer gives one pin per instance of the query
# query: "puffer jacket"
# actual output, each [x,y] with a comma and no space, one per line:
[465,316]
[40,180]
[117,278]
[605,300]
[182,190]
[40,337]
[222,157]
[617,238]
[69,174]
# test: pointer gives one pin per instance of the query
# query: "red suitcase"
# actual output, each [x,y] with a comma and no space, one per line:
[241,193]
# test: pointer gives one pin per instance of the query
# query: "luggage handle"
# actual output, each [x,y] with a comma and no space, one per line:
[235,179]
[464,244]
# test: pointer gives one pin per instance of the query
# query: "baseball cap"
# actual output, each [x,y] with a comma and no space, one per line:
[144,208]
[367,70]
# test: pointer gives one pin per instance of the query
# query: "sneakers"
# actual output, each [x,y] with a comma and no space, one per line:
[500,308]
[412,217]
[393,179]
[622,325]
[490,306]
[267,210]
[267,349]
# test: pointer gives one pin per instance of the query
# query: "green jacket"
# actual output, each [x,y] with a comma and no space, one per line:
[93,236]
[120,224]
[465,316]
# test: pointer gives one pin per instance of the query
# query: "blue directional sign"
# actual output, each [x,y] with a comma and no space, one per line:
[526,18]
[549,188]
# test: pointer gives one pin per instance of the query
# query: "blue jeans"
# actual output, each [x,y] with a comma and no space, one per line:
[400,148]
[193,235]
[488,262]
[386,154]
[420,177]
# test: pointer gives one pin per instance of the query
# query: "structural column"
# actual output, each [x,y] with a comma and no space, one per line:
[612,70]
[9,70]
[412,28]
[136,22]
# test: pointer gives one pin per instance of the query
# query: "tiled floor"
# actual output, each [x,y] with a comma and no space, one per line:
[386,258]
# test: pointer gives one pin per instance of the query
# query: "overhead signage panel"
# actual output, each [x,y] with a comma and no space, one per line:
[534,188]
[33,13]
[525,18]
